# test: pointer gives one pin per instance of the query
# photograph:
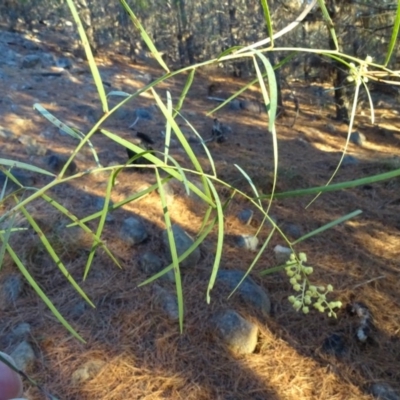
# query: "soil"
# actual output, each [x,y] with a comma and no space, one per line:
[145,355]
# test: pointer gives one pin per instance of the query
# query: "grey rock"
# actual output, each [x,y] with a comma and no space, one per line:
[234,105]
[251,106]
[133,231]
[64,62]
[56,163]
[349,160]
[79,309]
[23,179]
[98,204]
[251,293]
[245,216]
[167,301]
[22,330]
[236,332]
[182,242]
[282,254]
[87,371]
[383,391]
[151,264]
[248,242]
[292,230]
[24,356]
[145,113]
[31,61]
[334,344]
[358,138]
[10,291]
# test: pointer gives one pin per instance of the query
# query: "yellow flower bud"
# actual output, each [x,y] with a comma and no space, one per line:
[305,310]
[297,287]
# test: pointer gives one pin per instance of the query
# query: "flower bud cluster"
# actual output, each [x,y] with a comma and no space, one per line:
[309,295]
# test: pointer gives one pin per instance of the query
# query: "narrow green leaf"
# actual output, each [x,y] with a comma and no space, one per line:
[144,35]
[395,35]
[54,255]
[220,240]
[328,226]
[89,55]
[41,294]
[174,254]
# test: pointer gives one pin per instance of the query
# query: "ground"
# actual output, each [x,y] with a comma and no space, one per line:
[145,355]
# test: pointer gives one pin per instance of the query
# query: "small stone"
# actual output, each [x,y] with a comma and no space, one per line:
[56,163]
[238,334]
[334,344]
[79,309]
[249,291]
[245,216]
[349,160]
[133,231]
[24,356]
[145,113]
[88,371]
[167,302]
[23,179]
[234,105]
[22,330]
[248,242]
[358,138]
[151,264]
[282,254]
[31,61]
[98,204]
[10,291]
[64,62]
[182,242]
[292,230]
[251,106]
[383,391]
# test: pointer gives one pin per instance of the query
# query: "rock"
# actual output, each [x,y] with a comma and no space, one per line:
[145,113]
[133,231]
[282,254]
[358,138]
[10,291]
[98,204]
[292,230]
[251,106]
[182,242]
[79,309]
[249,291]
[24,356]
[87,371]
[383,391]
[31,61]
[245,216]
[22,330]
[236,332]
[56,163]
[334,344]
[64,62]
[23,179]
[349,160]
[151,264]
[249,242]
[234,105]
[167,302]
